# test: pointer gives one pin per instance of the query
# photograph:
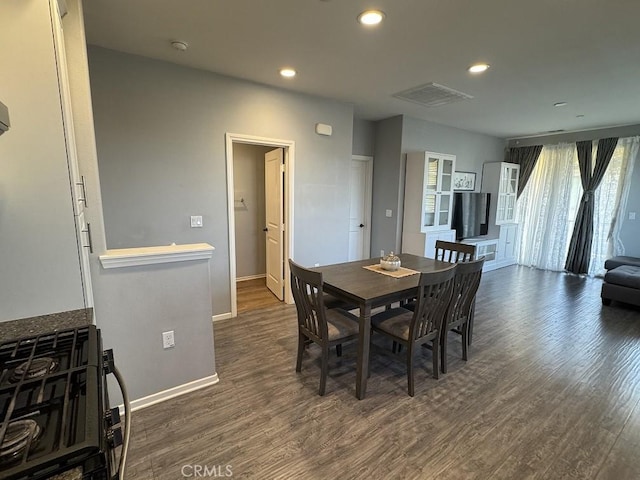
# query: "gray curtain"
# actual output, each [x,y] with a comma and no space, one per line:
[526,157]
[580,246]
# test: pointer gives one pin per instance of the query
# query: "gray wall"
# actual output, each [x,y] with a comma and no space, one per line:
[160,133]
[472,150]
[397,136]
[248,181]
[141,303]
[364,137]
[39,263]
[386,186]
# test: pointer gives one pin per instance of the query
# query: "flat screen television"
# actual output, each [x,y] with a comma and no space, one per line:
[470,214]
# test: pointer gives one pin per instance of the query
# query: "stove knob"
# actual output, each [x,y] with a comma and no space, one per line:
[112,416]
[114,437]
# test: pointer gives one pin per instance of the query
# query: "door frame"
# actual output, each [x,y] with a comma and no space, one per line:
[289,147]
[369,198]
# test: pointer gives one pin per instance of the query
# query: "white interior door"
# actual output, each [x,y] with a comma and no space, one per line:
[360,208]
[274,214]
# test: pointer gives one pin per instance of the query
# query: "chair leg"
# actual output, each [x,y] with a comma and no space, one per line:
[324,369]
[470,320]
[339,350]
[443,350]
[410,386]
[302,342]
[436,353]
[465,341]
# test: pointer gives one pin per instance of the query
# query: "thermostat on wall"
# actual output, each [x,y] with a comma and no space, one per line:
[323,129]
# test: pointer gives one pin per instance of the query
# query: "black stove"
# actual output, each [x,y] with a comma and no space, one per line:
[54,407]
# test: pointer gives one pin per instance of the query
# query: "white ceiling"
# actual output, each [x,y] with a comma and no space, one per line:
[584,52]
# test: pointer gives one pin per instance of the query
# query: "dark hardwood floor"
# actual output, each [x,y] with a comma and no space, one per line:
[551,391]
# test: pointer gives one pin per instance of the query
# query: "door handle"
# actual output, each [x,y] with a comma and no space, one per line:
[361,225]
[88,232]
[265,229]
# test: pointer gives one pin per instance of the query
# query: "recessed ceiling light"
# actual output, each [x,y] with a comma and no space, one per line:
[479,68]
[560,104]
[371,17]
[179,45]
[288,72]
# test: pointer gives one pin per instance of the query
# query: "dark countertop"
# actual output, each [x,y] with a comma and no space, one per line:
[26,327]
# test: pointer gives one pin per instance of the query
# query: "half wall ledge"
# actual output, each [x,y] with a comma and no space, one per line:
[133,257]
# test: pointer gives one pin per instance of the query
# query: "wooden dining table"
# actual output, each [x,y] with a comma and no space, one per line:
[353,283]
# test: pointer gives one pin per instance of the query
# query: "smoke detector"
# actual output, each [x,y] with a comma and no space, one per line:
[179,45]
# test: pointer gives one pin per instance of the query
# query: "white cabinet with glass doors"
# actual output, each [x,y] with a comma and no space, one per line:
[428,201]
[436,172]
[501,179]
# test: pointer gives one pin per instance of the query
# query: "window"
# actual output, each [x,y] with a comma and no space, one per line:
[549,204]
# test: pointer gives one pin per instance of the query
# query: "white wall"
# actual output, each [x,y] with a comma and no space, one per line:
[248,180]
[39,263]
[160,131]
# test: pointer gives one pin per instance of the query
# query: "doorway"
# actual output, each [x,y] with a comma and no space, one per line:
[284,192]
[360,188]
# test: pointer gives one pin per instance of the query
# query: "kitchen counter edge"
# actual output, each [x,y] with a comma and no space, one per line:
[29,327]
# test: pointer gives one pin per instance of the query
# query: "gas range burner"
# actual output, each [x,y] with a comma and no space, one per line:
[38,367]
[20,435]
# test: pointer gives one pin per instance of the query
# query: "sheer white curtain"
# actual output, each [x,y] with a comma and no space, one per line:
[547,208]
[548,205]
[611,204]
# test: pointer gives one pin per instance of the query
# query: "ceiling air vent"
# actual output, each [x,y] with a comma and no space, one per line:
[432,95]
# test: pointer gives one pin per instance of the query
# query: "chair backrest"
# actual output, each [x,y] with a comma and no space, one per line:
[434,294]
[466,283]
[306,286]
[453,252]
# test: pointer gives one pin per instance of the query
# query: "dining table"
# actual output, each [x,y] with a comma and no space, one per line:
[357,285]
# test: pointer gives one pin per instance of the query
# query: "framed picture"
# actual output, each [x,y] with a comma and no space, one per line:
[465,181]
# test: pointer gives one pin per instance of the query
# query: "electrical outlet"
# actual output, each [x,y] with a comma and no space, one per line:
[382,253]
[316,265]
[196,221]
[632,215]
[168,340]
[389,213]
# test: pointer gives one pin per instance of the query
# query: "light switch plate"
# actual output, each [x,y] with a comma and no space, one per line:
[388,213]
[632,215]
[196,221]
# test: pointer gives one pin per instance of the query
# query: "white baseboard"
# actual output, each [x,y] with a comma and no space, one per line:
[149,400]
[222,316]
[251,277]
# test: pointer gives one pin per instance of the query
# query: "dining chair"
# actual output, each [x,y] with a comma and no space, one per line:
[459,316]
[316,323]
[454,252]
[421,326]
